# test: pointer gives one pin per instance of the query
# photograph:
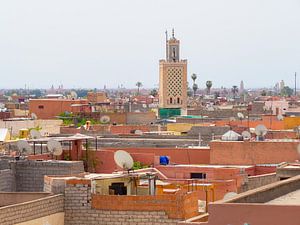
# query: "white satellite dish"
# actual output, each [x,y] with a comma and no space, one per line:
[240,115]
[138,132]
[34,116]
[246,135]
[24,147]
[35,134]
[229,195]
[54,147]
[123,159]
[261,130]
[279,117]
[73,95]
[105,119]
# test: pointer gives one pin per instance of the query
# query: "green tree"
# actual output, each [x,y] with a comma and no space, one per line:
[286,91]
[234,90]
[154,92]
[263,93]
[208,86]
[139,85]
[195,86]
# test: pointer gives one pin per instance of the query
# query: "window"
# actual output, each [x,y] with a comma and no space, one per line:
[41,106]
[178,100]
[198,175]
[171,100]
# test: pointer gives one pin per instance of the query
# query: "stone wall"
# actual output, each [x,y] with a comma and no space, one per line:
[258,181]
[78,210]
[30,210]
[7,180]
[30,174]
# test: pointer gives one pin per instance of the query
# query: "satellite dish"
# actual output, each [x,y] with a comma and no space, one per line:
[123,159]
[261,130]
[34,116]
[280,117]
[229,195]
[246,135]
[24,147]
[73,95]
[240,115]
[35,134]
[54,147]
[105,119]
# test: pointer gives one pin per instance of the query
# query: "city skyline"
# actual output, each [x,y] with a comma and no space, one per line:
[113,43]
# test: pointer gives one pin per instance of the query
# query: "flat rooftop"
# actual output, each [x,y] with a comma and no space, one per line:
[292,198]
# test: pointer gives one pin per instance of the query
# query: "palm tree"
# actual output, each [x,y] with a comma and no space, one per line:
[208,86]
[195,86]
[234,90]
[139,84]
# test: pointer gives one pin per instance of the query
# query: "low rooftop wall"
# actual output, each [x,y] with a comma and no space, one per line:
[30,210]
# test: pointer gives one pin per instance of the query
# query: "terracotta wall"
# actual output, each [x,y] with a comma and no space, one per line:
[271,122]
[251,153]
[177,206]
[49,108]
[258,214]
[128,129]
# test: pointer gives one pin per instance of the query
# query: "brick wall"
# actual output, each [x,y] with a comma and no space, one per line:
[7,180]
[30,174]
[31,210]
[78,210]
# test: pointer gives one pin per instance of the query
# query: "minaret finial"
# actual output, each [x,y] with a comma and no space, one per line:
[173,33]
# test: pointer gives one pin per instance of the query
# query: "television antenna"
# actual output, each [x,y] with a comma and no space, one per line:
[123,159]
[54,147]
[24,147]
[105,119]
[246,135]
[261,131]
[35,134]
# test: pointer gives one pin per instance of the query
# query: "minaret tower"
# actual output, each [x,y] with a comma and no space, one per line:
[172,77]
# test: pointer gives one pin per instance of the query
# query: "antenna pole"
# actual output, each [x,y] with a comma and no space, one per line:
[295,83]
[166,45]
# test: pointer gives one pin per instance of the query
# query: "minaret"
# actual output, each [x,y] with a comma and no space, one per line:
[172,76]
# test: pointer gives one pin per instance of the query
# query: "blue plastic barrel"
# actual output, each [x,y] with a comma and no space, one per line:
[163,160]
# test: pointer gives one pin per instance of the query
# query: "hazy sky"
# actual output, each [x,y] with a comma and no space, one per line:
[92,43]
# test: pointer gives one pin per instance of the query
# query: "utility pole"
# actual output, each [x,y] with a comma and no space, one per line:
[295,83]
